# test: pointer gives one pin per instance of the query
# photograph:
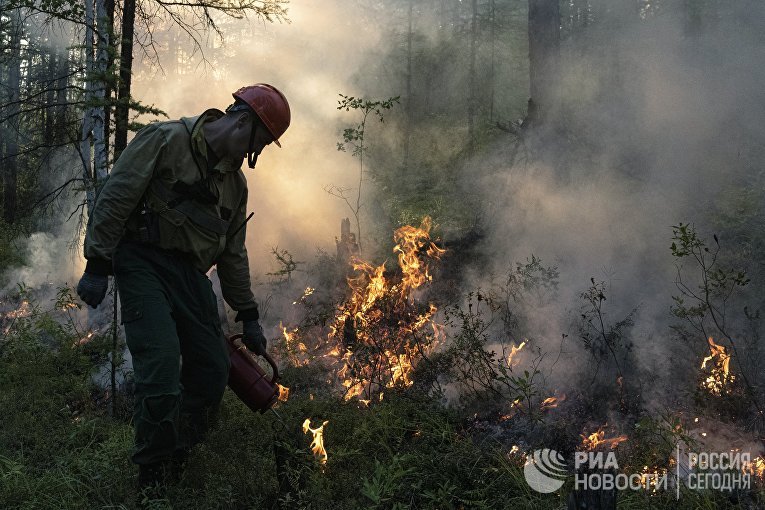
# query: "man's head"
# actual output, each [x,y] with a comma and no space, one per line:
[268,114]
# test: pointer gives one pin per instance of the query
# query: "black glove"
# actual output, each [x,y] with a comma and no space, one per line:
[92,288]
[253,337]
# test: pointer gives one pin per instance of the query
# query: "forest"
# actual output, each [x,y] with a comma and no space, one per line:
[509,254]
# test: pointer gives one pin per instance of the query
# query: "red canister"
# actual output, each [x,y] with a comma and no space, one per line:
[248,380]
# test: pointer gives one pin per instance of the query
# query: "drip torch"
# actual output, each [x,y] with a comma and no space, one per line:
[248,380]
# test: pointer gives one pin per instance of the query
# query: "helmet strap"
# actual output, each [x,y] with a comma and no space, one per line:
[252,158]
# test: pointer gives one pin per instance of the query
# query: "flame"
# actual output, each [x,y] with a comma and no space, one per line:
[296,350]
[380,331]
[719,378]
[24,310]
[383,330]
[411,241]
[307,292]
[598,438]
[317,445]
[649,478]
[513,351]
[284,392]
[552,402]
[756,467]
[85,339]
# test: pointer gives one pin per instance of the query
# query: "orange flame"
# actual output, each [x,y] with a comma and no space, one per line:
[24,310]
[381,322]
[296,350]
[380,332]
[513,351]
[317,445]
[719,378]
[307,292]
[756,467]
[598,438]
[284,392]
[83,340]
[552,402]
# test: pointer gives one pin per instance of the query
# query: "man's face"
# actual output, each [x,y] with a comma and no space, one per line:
[239,139]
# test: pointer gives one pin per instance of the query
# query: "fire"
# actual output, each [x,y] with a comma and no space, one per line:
[296,350]
[649,478]
[317,445]
[284,392]
[756,467]
[598,438]
[83,340]
[381,330]
[307,292]
[719,377]
[513,351]
[24,310]
[411,241]
[552,402]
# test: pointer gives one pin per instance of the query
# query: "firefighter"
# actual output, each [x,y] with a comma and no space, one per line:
[173,206]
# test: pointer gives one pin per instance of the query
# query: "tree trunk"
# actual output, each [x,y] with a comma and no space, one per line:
[50,97]
[87,118]
[100,145]
[408,126]
[471,78]
[60,130]
[544,54]
[11,131]
[109,81]
[122,112]
[492,21]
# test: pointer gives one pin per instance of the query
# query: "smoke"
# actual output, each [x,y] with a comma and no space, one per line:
[660,123]
[311,60]
[660,119]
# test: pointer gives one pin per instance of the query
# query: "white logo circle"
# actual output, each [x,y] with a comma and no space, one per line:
[545,470]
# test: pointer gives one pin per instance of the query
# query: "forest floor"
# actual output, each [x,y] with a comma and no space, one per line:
[60,449]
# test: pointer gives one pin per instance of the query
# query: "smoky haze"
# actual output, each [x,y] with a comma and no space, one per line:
[661,118]
[663,122]
[311,60]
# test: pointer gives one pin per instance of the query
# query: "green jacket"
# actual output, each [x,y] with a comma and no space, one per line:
[159,156]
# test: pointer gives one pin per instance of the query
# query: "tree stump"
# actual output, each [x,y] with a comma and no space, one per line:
[347,245]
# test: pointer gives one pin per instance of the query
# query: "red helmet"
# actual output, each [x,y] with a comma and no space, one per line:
[270,105]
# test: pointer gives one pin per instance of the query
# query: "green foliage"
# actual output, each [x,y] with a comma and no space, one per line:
[56,448]
[484,376]
[62,9]
[354,136]
[287,265]
[10,255]
[524,288]
[602,339]
[703,302]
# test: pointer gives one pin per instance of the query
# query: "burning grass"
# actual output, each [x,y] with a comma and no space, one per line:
[381,330]
[373,435]
[718,379]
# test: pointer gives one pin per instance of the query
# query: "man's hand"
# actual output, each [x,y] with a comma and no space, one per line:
[253,337]
[92,288]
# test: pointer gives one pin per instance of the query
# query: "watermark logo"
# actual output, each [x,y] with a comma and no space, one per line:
[545,470]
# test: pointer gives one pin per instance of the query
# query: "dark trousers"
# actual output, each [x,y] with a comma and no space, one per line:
[180,360]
